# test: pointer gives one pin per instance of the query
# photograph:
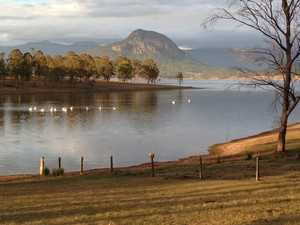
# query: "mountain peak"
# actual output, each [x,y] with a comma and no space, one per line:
[143,44]
[143,41]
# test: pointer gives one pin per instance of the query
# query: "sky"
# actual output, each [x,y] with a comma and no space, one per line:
[68,21]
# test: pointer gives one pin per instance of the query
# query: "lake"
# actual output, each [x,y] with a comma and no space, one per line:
[128,125]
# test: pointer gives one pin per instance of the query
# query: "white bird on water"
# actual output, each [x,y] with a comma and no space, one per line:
[51,109]
[189,101]
[173,102]
[30,109]
[64,109]
[100,108]
[71,108]
[42,110]
[86,108]
[34,108]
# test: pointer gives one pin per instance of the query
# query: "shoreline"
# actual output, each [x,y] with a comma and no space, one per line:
[38,87]
[221,151]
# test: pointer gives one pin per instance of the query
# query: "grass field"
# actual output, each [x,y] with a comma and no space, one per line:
[228,194]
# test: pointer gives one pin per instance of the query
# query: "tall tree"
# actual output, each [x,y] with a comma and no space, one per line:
[15,59]
[105,68]
[124,68]
[278,21]
[87,67]
[38,63]
[137,68]
[57,70]
[179,77]
[72,64]
[27,65]
[2,66]
[150,70]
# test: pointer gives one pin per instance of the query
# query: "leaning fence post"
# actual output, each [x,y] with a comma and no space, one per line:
[257,168]
[59,162]
[200,168]
[151,155]
[111,165]
[81,165]
[42,165]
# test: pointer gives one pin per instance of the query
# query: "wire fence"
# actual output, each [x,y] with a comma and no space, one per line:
[83,163]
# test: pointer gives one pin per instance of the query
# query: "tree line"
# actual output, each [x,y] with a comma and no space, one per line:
[22,67]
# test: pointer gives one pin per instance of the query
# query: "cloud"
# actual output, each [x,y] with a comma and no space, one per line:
[69,20]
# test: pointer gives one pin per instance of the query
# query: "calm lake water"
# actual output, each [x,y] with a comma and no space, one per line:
[128,126]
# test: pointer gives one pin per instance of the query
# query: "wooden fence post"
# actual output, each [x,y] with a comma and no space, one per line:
[111,165]
[42,165]
[151,155]
[257,168]
[81,165]
[59,162]
[200,168]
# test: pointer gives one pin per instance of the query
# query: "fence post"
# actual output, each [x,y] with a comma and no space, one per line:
[81,165]
[111,165]
[200,168]
[151,155]
[257,168]
[59,162]
[42,165]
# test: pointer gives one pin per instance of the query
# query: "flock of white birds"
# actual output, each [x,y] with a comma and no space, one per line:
[71,108]
[63,109]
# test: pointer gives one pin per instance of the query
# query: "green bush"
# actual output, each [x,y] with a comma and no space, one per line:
[58,172]
[46,171]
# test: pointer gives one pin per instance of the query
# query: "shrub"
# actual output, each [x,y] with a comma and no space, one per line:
[46,171]
[58,172]
[249,155]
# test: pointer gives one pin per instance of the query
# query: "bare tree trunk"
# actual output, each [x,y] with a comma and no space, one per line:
[285,111]
[282,133]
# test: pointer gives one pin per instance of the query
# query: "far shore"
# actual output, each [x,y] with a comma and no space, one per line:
[38,87]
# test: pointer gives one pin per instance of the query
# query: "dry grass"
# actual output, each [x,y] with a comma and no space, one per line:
[264,143]
[229,194]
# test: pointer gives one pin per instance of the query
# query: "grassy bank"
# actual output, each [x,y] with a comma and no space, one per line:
[164,199]
[262,144]
[228,194]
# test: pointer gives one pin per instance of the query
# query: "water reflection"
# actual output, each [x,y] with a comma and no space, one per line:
[112,118]
[128,126]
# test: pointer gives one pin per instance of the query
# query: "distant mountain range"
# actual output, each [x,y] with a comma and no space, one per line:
[220,57]
[142,44]
[50,48]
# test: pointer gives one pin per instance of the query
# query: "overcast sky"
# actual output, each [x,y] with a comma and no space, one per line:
[67,21]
